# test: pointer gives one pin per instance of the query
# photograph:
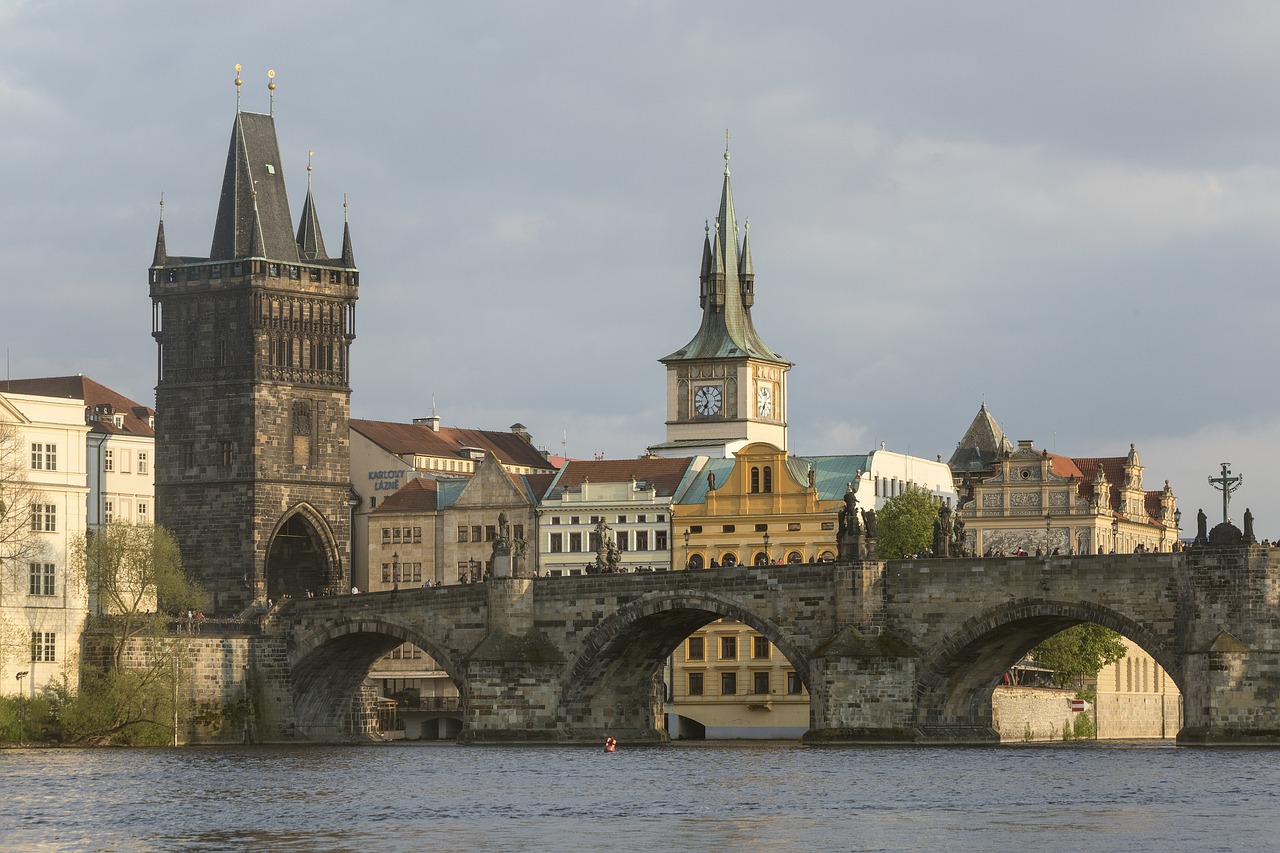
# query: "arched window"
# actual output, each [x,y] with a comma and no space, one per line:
[729,560]
[768,479]
[794,557]
[695,562]
[755,480]
[826,557]
[761,559]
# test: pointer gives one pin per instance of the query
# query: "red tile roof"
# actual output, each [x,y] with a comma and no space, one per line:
[663,474]
[419,439]
[417,495]
[99,400]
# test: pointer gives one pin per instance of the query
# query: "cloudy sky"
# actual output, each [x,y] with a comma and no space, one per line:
[1070,211]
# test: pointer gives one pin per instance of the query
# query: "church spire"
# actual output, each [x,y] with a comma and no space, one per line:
[726,292]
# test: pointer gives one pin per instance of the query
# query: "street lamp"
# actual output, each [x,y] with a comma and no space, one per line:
[395,570]
[1115,535]
[767,558]
[686,548]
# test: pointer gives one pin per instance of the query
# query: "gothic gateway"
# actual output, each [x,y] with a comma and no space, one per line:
[253,393]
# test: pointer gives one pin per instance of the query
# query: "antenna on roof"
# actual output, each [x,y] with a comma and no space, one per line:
[433,405]
[271,89]
[238,82]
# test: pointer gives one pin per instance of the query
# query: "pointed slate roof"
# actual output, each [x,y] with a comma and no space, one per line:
[253,213]
[310,241]
[727,330]
[983,443]
[162,252]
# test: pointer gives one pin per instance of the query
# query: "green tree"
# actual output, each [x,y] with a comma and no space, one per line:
[905,524]
[136,586]
[1079,652]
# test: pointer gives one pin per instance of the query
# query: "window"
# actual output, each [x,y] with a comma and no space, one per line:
[759,648]
[142,512]
[43,644]
[793,526]
[188,456]
[44,518]
[728,648]
[417,572]
[386,573]
[573,519]
[417,535]
[44,457]
[828,525]
[408,534]
[762,528]
[108,512]
[386,535]
[575,542]
[228,454]
[755,480]
[728,683]
[641,519]
[768,478]
[642,540]
[760,683]
[476,534]
[729,528]
[697,528]
[555,519]
[793,684]
[108,460]
[696,649]
[517,531]
[490,532]
[462,533]
[622,519]
[395,535]
[695,684]
[660,540]
[623,540]
[41,579]
[557,543]
[143,464]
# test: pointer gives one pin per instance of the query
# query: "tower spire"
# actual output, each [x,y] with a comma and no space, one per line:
[162,255]
[310,241]
[348,256]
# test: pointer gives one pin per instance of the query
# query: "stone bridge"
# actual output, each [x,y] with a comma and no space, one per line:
[890,652]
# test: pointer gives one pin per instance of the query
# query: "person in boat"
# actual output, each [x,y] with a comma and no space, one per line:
[610,744]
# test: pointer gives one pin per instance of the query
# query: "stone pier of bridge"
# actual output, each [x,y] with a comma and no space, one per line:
[896,652]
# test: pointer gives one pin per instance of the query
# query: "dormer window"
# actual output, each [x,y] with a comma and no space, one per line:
[118,420]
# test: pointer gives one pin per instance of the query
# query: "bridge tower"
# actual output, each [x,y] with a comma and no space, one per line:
[252,395]
[725,388]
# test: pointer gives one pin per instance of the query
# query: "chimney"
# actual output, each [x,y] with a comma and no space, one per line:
[522,431]
[432,423]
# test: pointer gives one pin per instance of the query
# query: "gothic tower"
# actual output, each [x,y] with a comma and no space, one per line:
[725,388]
[253,396]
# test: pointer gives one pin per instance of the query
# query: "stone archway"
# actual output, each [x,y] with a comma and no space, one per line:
[957,681]
[614,683]
[302,556]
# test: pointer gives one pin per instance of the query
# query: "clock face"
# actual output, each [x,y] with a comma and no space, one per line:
[706,400]
[764,401]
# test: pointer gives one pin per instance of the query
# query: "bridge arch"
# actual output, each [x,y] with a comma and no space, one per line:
[958,675]
[612,681]
[331,662]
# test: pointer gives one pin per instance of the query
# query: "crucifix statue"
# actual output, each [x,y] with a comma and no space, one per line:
[1227,484]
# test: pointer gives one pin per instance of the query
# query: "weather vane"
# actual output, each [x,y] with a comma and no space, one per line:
[238,82]
[1227,484]
[271,89]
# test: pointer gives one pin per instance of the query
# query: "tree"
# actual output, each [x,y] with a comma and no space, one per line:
[136,583]
[1079,652]
[905,524]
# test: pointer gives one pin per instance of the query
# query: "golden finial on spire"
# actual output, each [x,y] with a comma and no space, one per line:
[344,207]
[271,88]
[238,82]
[310,154]
[726,151]
[162,205]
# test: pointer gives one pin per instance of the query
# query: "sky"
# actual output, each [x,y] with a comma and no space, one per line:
[1068,211]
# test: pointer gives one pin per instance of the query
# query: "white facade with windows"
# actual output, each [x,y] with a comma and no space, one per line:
[44,481]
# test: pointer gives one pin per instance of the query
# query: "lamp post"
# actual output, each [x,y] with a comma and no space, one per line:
[395,570]
[686,548]
[767,558]
[1115,535]
[474,566]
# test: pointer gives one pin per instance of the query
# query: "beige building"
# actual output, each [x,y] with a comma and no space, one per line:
[43,499]
[386,455]
[632,497]
[1034,501]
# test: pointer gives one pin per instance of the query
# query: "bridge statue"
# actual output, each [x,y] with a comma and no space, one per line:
[502,567]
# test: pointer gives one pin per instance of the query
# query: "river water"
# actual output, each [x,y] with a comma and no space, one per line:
[704,796]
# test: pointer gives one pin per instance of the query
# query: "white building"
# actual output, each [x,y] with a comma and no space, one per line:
[44,492]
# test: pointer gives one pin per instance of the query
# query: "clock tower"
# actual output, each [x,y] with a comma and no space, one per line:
[725,388]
